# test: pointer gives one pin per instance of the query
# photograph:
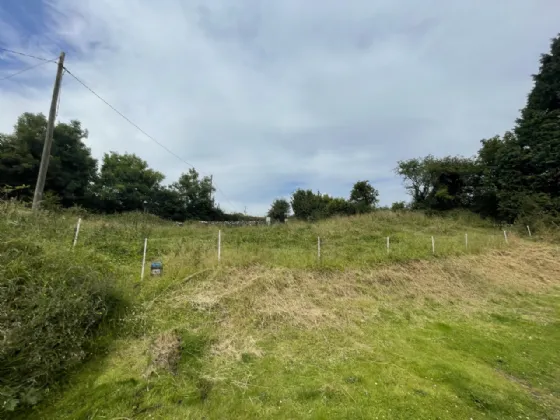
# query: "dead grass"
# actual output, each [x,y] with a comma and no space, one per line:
[165,353]
[247,303]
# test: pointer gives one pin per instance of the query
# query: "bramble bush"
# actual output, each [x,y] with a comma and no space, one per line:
[53,300]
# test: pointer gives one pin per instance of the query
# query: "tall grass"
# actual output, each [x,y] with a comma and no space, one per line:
[345,242]
[53,300]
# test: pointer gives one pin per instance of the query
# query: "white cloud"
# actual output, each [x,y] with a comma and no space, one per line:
[266,95]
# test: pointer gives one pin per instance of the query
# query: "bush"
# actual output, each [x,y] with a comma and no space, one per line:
[52,302]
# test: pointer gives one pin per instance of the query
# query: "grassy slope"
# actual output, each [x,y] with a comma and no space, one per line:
[273,334]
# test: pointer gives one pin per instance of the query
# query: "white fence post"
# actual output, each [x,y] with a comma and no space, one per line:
[219,245]
[77,232]
[433,245]
[388,244]
[318,248]
[529,230]
[144,258]
[505,236]
[466,240]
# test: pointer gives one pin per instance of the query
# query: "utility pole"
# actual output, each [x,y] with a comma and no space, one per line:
[40,186]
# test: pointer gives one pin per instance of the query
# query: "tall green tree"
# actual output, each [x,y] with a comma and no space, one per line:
[196,194]
[279,210]
[363,196]
[440,183]
[167,203]
[125,183]
[308,205]
[71,167]
[528,168]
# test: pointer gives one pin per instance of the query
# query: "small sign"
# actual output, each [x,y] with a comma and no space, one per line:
[156,268]
[268,220]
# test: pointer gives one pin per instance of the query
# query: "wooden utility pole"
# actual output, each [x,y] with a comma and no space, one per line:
[40,186]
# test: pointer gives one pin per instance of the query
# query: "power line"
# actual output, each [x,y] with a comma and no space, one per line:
[27,69]
[25,55]
[142,131]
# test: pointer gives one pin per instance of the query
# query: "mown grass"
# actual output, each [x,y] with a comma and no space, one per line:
[272,332]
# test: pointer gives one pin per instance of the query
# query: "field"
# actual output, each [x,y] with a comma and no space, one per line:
[272,330]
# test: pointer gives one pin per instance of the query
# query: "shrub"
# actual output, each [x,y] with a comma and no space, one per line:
[52,302]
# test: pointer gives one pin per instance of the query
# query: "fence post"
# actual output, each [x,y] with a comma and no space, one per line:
[319,248]
[144,258]
[433,245]
[466,240]
[529,230]
[219,245]
[388,244]
[505,236]
[77,232]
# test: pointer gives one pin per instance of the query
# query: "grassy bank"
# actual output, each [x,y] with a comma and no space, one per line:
[345,242]
[271,332]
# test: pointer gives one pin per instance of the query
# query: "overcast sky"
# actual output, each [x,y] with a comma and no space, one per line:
[271,95]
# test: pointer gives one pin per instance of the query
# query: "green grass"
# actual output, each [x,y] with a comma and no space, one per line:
[345,242]
[271,332]
[421,367]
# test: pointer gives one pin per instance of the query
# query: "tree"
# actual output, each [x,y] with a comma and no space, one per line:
[340,207]
[307,205]
[279,210]
[398,206]
[528,166]
[487,189]
[364,196]
[71,167]
[196,194]
[167,203]
[125,183]
[418,180]
[440,183]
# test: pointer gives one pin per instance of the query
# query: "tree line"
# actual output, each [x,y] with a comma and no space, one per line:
[513,177]
[123,182]
[307,205]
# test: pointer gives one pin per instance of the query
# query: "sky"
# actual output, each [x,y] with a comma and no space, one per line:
[273,95]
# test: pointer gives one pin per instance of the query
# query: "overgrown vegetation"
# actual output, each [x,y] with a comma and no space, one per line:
[53,300]
[272,333]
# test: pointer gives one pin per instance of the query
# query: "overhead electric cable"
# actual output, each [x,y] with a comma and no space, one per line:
[141,130]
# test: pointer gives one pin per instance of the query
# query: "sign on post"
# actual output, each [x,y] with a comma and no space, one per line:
[156,268]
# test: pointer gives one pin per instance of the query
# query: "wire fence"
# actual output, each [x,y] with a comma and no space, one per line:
[278,247]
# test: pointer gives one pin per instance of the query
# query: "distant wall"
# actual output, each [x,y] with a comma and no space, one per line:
[236,223]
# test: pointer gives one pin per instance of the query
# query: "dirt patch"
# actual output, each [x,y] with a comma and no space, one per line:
[165,353]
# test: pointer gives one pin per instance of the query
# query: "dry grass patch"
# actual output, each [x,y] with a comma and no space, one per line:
[165,353]
[248,303]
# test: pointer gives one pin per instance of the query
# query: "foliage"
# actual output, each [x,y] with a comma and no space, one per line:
[398,206]
[52,303]
[196,195]
[513,178]
[71,166]
[279,210]
[125,183]
[308,205]
[440,184]
[364,196]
